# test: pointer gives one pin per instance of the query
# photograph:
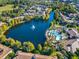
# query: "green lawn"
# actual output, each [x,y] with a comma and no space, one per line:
[6,8]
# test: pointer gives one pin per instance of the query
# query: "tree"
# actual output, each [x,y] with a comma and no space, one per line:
[69,55]
[56,14]
[47,50]
[3,39]
[36,51]
[29,46]
[39,47]
[18,44]
[4,27]
[60,56]
[46,43]
[11,55]
[12,42]
[75,56]
[0,31]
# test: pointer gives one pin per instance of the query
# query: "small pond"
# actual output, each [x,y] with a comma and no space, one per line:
[33,31]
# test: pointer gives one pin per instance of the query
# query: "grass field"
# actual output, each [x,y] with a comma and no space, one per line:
[6,8]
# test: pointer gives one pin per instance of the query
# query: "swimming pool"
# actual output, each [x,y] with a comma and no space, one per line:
[55,33]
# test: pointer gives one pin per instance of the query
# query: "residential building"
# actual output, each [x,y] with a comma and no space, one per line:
[4,51]
[64,36]
[67,1]
[76,1]
[77,5]
[72,33]
[23,55]
[1,23]
[3,26]
[36,10]
[71,45]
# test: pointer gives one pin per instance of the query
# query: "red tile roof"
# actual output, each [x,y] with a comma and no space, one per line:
[23,55]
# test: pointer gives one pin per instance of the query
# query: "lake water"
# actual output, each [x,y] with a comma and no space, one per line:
[33,31]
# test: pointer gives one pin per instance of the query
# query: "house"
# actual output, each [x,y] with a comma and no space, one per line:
[36,10]
[1,23]
[23,55]
[64,36]
[3,26]
[77,5]
[4,51]
[76,1]
[67,1]
[70,44]
[72,33]
[30,12]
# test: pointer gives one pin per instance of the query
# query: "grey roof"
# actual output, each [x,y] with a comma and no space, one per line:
[71,41]
[67,42]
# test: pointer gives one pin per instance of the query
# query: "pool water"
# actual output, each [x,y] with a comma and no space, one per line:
[55,33]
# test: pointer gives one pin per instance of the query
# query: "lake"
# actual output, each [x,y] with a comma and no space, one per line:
[33,31]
